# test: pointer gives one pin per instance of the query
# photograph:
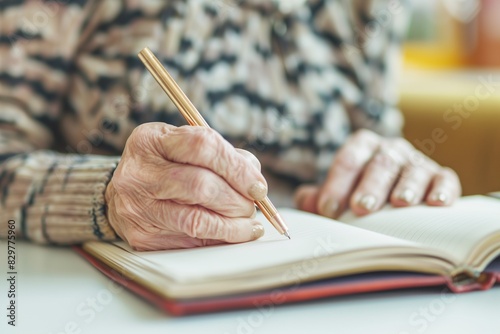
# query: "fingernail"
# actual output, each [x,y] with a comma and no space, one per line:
[257,231]
[368,202]
[330,208]
[407,196]
[440,197]
[258,191]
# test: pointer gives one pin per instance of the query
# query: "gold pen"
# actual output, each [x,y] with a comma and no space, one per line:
[194,118]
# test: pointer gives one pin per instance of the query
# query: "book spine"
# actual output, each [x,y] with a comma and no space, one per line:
[465,281]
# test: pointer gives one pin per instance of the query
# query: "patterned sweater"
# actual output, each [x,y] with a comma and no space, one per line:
[288,79]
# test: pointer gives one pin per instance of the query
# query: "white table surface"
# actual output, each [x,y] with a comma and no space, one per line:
[55,287]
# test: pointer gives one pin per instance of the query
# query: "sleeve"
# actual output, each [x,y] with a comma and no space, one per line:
[55,198]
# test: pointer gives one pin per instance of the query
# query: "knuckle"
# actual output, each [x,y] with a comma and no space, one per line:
[217,231]
[121,210]
[142,140]
[389,161]
[140,133]
[364,135]
[126,176]
[226,232]
[200,185]
[204,226]
[385,160]
[142,127]
[201,138]
[234,204]
[402,144]
[347,160]
[409,173]
[417,158]
[239,168]
[233,167]
[207,189]
[125,212]
[129,209]
[203,143]
[421,173]
[429,166]
[195,223]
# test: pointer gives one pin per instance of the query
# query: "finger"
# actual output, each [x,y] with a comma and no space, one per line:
[306,198]
[250,157]
[198,222]
[345,171]
[176,221]
[204,147]
[377,181]
[153,237]
[186,184]
[445,188]
[414,182]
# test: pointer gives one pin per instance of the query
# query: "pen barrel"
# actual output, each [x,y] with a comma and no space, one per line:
[170,87]
[271,214]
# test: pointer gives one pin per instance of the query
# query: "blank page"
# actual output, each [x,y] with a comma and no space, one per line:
[312,237]
[454,230]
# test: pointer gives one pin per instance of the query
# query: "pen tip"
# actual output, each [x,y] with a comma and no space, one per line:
[287,235]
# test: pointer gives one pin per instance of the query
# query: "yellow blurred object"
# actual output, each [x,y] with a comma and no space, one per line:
[463,36]
[431,55]
[446,50]
[454,117]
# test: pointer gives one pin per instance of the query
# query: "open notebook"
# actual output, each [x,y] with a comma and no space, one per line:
[394,248]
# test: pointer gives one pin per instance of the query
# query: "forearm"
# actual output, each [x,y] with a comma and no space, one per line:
[56,198]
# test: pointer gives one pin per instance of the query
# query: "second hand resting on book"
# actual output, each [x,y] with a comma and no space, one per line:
[181,187]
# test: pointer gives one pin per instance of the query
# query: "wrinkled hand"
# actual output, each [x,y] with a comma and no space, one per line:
[180,187]
[369,171]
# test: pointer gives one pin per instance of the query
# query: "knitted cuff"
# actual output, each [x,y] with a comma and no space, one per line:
[56,198]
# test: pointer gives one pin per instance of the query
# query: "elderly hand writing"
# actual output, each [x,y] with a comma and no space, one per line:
[368,171]
[181,187]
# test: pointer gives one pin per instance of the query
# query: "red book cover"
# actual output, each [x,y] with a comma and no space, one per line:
[355,284]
